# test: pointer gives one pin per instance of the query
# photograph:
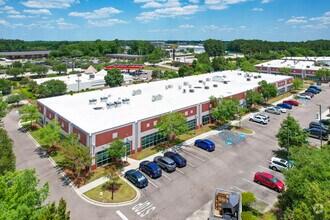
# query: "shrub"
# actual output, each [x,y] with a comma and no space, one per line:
[248,216]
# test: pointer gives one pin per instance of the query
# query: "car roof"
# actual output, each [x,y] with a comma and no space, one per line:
[268,175]
[279,160]
[153,165]
[168,160]
[169,153]
[208,141]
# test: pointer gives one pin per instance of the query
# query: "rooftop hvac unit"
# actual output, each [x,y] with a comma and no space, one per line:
[136,92]
[239,73]
[200,81]
[170,86]
[190,85]
[166,87]
[110,105]
[224,76]
[191,90]
[256,77]
[184,91]
[225,82]
[156,97]
[206,87]
[248,79]
[126,101]
[180,87]
[259,76]
[117,103]
[103,98]
[208,79]
[185,83]
[92,101]
[215,85]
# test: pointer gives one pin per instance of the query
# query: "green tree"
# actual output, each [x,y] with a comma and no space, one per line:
[111,173]
[170,74]
[156,74]
[17,64]
[322,73]
[291,134]
[297,83]
[5,85]
[252,97]
[155,56]
[76,157]
[285,70]
[7,156]
[172,124]
[114,78]
[219,63]
[185,70]
[29,113]
[60,67]
[214,47]
[226,110]
[248,67]
[50,134]
[52,88]
[39,70]
[117,149]
[248,199]
[51,212]
[15,72]
[307,185]
[3,108]
[15,98]
[268,90]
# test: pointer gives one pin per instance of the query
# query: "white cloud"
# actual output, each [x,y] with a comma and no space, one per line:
[194,1]
[265,1]
[161,4]
[168,13]
[106,23]
[280,19]
[38,12]
[62,24]
[96,14]
[325,19]
[257,9]
[2,2]
[49,3]
[318,26]
[4,23]
[163,30]
[297,20]
[221,4]
[17,16]
[186,26]
[10,10]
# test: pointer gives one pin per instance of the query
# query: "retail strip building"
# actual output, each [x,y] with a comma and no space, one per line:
[131,112]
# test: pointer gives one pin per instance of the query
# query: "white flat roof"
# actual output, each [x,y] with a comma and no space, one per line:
[76,108]
[293,64]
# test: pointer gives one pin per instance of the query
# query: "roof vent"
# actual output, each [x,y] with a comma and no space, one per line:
[206,87]
[248,79]
[215,85]
[92,101]
[170,86]
[259,76]
[208,79]
[103,98]
[136,92]
[126,101]
[256,77]
[110,105]
[117,103]
[184,91]
[200,81]
[191,90]
[180,87]
[156,97]
[185,83]
[225,82]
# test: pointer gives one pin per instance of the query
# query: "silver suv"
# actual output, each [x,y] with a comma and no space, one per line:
[165,163]
[259,118]
[273,110]
[278,164]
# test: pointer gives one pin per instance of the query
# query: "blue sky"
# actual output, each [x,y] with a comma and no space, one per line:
[275,20]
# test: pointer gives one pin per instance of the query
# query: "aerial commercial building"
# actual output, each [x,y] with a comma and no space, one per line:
[131,112]
[301,67]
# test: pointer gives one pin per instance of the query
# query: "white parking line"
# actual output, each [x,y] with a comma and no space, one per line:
[121,215]
[266,189]
[152,183]
[254,196]
[192,165]
[204,151]
[218,150]
[180,171]
[193,155]
[167,177]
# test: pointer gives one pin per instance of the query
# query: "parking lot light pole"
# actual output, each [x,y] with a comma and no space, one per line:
[321,131]
[126,143]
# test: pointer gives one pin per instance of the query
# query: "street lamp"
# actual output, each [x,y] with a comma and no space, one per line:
[78,81]
[321,131]
[127,143]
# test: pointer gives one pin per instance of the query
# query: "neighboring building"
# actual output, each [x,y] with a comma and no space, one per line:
[301,67]
[124,57]
[125,67]
[226,205]
[90,79]
[197,48]
[25,54]
[131,112]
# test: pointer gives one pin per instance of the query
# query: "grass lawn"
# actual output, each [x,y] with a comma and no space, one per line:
[278,98]
[145,153]
[156,68]
[267,216]
[95,174]
[124,194]
[242,130]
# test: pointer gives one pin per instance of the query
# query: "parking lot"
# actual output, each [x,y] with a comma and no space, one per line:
[179,194]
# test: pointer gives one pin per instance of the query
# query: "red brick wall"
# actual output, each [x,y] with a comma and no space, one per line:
[239,96]
[206,107]
[310,71]
[144,124]
[83,136]
[106,137]
[65,126]
[296,71]
[281,83]
[289,81]
[191,111]
[274,70]
[50,114]
[40,108]
[261,68]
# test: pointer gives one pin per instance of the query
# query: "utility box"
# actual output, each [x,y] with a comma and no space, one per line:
[226,204]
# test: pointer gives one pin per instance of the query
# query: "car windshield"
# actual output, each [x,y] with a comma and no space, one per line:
[274,179]
[139,176]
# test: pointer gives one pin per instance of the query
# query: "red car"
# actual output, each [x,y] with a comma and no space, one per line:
[291,102]
[269,180]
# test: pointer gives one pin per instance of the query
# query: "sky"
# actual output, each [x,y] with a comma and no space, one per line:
[274,20]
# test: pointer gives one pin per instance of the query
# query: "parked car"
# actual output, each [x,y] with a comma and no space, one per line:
[282,110]
[325,122]
[258,118]
[303,96]
[278,164]
[137,178]
[273,110]
[177,158]
[318,125]
[264,116]
[284,105]
[205,144]
[291,102]
[318,83]
[316,88]
[269,180]
[165,163]
[317,133]
[308,93]
[311,90]
[150,168]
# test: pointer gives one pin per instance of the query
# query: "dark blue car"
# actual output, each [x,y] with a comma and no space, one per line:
[177,158]
[205,144]
[285,105]
[316,88]
[137,178]
[150,168]
[314,91]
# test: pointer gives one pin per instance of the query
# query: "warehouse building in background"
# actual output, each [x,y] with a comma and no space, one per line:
[131,112]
